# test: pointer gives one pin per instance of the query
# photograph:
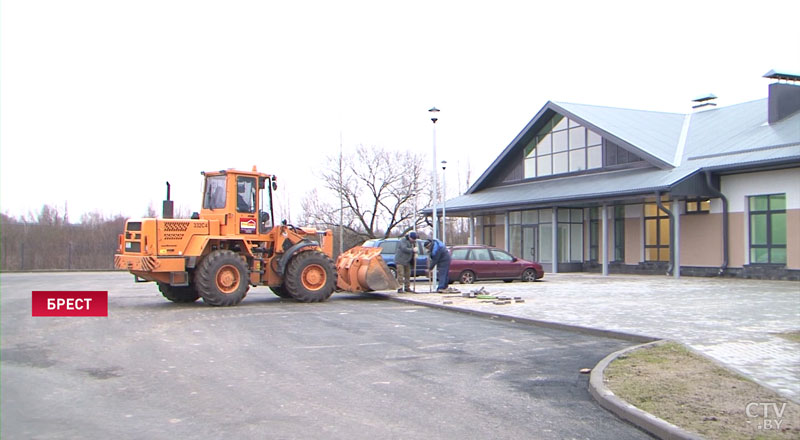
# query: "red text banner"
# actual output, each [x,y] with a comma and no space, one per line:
[69,303]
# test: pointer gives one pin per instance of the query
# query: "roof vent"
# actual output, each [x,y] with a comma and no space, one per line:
[785,76]
[784,95]
[704,102]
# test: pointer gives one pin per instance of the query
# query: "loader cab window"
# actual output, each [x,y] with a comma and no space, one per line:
[214,197]
[246,194]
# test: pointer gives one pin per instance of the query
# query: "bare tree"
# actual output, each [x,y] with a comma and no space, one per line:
[379,189]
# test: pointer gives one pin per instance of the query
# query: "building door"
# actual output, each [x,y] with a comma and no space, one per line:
[530,243]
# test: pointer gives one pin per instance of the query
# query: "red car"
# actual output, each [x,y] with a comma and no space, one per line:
[477,262]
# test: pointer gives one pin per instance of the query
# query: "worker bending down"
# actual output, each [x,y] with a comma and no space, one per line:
[440,259]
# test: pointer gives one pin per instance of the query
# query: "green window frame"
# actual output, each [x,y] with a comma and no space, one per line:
[767,229]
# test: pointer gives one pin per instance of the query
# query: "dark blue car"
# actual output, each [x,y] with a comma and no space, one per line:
[388,246]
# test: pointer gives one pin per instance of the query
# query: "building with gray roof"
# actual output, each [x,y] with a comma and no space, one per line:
[584,188]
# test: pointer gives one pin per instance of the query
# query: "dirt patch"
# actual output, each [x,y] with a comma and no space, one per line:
[690,391]
[792,336]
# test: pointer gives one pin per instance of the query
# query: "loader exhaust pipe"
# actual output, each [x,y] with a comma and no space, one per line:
[167,206]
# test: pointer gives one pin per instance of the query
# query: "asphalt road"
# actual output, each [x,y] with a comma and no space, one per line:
[355,367]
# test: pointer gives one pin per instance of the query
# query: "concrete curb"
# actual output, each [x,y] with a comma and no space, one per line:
[624,410]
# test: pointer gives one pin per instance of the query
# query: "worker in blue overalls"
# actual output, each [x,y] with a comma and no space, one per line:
[440,259]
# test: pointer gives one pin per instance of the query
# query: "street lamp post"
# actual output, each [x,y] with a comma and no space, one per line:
[444,203]
[416,194]
[434,117]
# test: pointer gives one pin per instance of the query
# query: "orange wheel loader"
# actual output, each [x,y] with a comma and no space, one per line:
[233,244]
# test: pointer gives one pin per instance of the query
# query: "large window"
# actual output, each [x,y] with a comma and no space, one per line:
[768,229]
[563,146]
[570,235]
[594,233]
[488,229]
[656,228]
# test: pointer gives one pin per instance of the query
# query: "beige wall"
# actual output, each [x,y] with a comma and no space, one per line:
[737,234]
[633,240]
[701,240]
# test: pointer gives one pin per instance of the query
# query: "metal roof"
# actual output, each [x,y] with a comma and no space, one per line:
[650,134]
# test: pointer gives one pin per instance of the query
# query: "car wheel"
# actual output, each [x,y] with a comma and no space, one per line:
[467,277]
[529,275]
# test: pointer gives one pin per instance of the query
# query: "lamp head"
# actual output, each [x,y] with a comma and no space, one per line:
[434,114]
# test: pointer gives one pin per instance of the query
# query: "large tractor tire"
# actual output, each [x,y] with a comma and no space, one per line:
[280,291]
[178,294]
[222,278]
[310,277]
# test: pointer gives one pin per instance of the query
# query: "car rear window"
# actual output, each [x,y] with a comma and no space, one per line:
[480,255]
[501,256]
[459,254]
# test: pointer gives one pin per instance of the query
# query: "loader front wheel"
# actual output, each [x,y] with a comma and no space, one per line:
[310,277]
[178,294]
[222,278]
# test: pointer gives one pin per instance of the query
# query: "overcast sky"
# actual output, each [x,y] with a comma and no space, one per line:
[103,101]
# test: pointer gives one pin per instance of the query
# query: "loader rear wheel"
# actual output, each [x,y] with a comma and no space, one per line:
[222,278]
[178,294]
[310,277]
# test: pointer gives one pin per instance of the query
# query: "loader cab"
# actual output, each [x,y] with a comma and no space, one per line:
[240,201]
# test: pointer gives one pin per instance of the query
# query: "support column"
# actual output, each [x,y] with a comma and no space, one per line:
[505,232]
[555,239]
[676,231]
[604,222]
[471,228]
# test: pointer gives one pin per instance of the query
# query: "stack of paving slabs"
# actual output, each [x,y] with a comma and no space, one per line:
[499,300]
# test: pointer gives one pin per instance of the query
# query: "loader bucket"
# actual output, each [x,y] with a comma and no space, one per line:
[361,269]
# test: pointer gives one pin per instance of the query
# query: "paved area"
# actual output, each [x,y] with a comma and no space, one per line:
[733,321]
[355,367]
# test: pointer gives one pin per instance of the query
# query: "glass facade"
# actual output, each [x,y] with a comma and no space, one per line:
[531,235]
[767,229]
[488,229]
[594,233]
[565,146]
